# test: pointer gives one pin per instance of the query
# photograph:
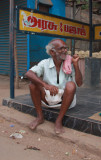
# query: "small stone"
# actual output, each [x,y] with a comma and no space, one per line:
[67,153]
[74,151]
[39,139]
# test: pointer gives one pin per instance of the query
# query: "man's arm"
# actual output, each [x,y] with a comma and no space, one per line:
[78,75]
[39,82]
[34,78]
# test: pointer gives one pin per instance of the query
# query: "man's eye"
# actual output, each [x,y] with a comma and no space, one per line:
[64,48]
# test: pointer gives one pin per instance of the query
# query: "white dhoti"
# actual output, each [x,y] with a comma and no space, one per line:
[55,101]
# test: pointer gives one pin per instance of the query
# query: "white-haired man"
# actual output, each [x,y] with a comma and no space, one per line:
[54,80]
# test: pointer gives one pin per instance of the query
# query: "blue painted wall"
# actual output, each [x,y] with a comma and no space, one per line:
[31,4]
[37,44]
[58,7]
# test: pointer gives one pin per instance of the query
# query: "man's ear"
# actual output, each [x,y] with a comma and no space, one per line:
[52,52]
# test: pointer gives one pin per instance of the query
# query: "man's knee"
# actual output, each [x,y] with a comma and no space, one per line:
[32,86]
[70,87]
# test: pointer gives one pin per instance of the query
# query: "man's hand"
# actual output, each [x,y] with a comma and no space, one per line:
[75,59]
[53,89]
[78,75]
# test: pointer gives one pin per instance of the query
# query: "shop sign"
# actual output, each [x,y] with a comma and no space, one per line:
[31,21]
[97,32]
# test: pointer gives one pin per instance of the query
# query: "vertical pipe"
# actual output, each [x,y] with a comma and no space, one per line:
[28,36]
[11,47]
[90,22]
[28,41]
[36,3]
[28,52]
[73,41]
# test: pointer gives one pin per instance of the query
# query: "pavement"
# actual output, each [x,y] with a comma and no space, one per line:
[84,117]
[86,142]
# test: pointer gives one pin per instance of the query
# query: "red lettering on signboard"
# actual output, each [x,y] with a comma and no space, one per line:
[55,27]
[39,23]
[83,32]
[78,31]
[70,29]
[74,30]
[61,29]
[32,21]
[51,25]
[65,28]
[42,24]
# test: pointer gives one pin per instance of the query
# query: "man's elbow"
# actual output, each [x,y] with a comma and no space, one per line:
[28,74]
[80,84]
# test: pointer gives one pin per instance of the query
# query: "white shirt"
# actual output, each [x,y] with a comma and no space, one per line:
[46,68]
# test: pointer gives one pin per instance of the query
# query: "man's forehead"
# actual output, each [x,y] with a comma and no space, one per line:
[58,42]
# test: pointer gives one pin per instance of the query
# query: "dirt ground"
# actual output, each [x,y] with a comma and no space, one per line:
[34,145]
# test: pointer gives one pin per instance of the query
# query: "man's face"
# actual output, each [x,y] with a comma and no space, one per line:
[61,50]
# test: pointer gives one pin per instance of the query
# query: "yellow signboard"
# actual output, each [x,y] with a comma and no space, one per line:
[40,23]
[97,32]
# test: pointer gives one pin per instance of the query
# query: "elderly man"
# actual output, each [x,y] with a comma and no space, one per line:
[48,76]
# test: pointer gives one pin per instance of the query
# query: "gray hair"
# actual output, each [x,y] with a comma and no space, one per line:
[49,47]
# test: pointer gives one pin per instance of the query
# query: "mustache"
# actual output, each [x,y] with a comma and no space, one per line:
[63,57]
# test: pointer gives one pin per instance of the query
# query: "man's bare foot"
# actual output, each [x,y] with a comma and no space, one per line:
[35,123]
[59,128]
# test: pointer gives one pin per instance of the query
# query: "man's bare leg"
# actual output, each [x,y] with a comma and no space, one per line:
[67,99]
[36,95]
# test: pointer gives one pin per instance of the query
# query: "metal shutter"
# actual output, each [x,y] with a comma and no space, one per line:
[4,40]
[21,44]
[4,37]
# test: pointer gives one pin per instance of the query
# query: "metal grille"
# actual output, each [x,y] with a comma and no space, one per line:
[21,40]
[4,37]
